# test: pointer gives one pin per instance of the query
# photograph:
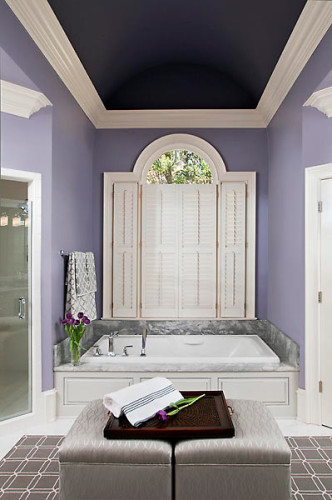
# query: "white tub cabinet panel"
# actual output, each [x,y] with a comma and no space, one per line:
[85,389]
[271,391]
[188,384]
[276,389]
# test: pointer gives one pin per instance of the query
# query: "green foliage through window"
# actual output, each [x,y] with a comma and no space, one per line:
[179,167]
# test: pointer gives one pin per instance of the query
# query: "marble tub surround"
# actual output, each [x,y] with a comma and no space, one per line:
[286,349]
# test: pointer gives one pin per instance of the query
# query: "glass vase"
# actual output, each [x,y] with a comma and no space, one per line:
[75,355]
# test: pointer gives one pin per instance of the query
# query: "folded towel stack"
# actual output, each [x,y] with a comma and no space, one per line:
[140,402]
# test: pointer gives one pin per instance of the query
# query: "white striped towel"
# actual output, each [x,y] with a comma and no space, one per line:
[140,402]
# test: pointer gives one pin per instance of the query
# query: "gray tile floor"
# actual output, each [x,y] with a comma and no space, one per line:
[30,471]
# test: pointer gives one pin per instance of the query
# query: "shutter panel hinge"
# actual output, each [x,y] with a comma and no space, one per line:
[320,207]
[320,386]
[320,297]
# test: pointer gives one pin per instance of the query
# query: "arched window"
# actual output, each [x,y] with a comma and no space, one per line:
[179,235]
[179,166]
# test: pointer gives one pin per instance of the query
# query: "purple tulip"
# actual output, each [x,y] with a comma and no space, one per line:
[86,320]
[70,321]
[63,321]
[80,315]
[161,415]
[69,316]
[76,322]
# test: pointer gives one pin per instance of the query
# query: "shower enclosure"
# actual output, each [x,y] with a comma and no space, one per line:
[15,325]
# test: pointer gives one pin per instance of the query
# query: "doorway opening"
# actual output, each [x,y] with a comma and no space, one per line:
[20,300]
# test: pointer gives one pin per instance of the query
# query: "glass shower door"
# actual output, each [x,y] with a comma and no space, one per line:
[15,331]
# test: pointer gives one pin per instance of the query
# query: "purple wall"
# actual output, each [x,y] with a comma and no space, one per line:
[71,173]
[297,137]
[241,149]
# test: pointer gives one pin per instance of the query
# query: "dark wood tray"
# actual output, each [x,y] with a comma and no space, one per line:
[209,417]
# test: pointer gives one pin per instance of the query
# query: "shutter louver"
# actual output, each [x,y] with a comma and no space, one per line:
[197,251]
[233,249]
[125,250]
[159,251]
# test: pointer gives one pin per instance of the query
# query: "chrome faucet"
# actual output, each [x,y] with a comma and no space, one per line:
[110,351]
[144,335]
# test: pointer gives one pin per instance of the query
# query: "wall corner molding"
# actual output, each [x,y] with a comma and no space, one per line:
[313,23]
[321,100]
[39,20]
[21,101]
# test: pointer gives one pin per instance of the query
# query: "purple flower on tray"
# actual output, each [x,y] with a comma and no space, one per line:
[80,315]
[161,415]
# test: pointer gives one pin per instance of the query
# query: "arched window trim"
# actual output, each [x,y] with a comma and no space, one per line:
[181,142]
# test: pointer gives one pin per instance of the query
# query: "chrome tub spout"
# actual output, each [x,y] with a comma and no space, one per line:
[144,335]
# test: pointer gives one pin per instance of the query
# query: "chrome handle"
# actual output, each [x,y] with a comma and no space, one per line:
[97,351]
[125,352]
[21,308]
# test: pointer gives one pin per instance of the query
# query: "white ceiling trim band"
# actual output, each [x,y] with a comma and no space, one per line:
[21,101]
[321,100]
[313,23]
[43,26]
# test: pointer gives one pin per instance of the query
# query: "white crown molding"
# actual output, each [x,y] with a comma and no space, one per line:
[321,100]
[43,26]
[313,23]
[182,118]
[21,101]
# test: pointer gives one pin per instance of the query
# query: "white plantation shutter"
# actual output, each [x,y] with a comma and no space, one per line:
[160,251]
[233,249]
[197,250]
[125,250]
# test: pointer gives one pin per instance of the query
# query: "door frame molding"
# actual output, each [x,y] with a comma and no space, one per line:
[34,195]
[312,404]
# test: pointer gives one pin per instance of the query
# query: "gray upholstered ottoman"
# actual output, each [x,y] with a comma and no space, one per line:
[254,465]
[94,468]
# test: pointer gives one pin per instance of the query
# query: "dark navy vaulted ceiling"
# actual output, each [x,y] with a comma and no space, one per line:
[178,54]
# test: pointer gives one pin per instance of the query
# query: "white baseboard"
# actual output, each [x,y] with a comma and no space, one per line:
[302,413]
[49,405]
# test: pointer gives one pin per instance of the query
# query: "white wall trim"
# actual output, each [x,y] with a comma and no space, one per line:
[34,195]
[313,176]
[21,101]
[313,23]
[49,405]
[181,118]
[321,100]
[302,411]
[43,26]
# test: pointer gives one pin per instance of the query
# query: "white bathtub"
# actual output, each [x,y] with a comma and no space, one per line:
[185,353]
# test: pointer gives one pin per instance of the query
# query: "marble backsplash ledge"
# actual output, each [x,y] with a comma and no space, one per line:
[283,346]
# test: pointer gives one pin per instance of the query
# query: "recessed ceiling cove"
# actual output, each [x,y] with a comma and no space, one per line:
[178,54]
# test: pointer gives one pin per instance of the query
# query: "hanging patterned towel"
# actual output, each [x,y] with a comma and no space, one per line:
[140,402]
[79,298]
[91,271]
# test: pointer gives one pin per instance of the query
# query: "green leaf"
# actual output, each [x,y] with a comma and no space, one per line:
[188,401]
